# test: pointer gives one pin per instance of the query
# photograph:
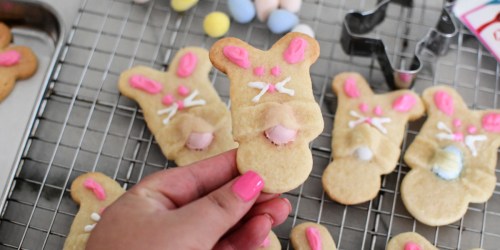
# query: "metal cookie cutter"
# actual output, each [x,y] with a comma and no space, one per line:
[435,43]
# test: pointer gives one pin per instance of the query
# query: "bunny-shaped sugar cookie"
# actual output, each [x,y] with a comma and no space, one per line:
[16,62]
[367,136]
[181,108]
[452,159]
[93,192]
[274,112]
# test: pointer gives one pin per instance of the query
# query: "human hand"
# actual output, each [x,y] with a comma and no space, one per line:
[205,205]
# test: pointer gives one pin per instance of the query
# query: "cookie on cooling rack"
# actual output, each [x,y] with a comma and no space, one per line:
[274,112]
[452,159]
[409,241]
[93,192]
[312,236]
[181,107]
[16,62]
[270,243]
[367,136]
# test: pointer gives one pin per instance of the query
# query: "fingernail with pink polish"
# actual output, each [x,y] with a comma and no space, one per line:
[248,186]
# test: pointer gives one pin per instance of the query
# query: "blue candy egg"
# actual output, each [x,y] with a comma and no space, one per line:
[242,11]
[281,21]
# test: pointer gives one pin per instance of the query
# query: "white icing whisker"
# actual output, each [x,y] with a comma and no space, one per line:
[445,136]
[280,86]
[89,228]
[190,102]
[377,122]
[172,110]
[259,85]
[264,87]
[470,141]
[442,126]
[186,103]
[95,217]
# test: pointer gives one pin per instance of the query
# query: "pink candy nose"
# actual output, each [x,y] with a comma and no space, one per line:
[280,135]
[199,141]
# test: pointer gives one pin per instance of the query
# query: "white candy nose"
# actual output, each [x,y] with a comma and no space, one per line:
[364,153]
[280,135]
[199,141]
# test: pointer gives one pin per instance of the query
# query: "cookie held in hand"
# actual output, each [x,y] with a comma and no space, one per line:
[367,135]
[181,107]
[273,109]
[452,159]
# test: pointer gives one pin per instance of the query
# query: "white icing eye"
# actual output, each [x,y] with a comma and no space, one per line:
[447,163]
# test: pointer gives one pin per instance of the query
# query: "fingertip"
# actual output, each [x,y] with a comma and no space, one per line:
[250,235]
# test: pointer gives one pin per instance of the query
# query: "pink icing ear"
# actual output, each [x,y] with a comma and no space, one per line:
[187,64]
[404,103]
[296,50]
[9,58]
[145,84]
[412,246]
[95,187]
[237,55]
[350,87]
[491,122]
[314,238]
[444,102]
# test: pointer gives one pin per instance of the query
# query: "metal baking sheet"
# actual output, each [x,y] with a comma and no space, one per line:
[37,26]
[85,125]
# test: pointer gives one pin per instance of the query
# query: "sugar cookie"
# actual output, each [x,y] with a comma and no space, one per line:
[270,243]
[409,241]
[181,108]
[311,236]
[16,62]
[93,192]
[367,135]
[452,159]
[274,112]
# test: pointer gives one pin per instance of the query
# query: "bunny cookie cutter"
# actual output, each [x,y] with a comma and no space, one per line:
[354,41]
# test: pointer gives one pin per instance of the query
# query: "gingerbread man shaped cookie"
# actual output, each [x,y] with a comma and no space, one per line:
[274,112]
[93,192]
[367,135]
[16,62]
[452,159]
[181,108]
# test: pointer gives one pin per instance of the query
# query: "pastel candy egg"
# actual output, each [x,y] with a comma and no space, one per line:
[242,11]
[264,8]
[281,21]
[305,29]
[291,5]
[216,24]
[182,5]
